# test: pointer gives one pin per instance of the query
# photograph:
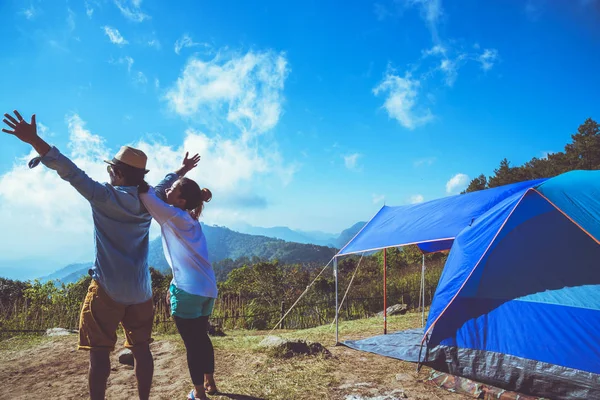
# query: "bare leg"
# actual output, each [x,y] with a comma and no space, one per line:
[199,392]
[144,369]
[209,384]
[98,374]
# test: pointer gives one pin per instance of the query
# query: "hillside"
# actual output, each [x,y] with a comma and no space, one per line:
[288,234]
[70,273]
[348,234]
[223,243]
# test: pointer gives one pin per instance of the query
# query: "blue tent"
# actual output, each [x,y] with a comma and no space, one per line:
[518,302]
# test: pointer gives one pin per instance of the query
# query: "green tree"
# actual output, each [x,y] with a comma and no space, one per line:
[584,151]
[477,184]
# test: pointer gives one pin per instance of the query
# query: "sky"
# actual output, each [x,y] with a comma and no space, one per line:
[307,114]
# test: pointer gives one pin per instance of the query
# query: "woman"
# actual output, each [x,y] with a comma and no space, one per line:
[193,290]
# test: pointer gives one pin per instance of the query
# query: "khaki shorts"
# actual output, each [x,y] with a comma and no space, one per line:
[100,317]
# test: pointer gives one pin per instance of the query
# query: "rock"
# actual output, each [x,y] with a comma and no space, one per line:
[285,348]
[394,310]
[272,341]
[59,332]
[403,377]
[126,357]
[215,330]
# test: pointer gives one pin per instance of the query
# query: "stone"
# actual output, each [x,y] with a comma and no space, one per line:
[403,377]
[126,357]
[59,332]
[395,310]
[215,330]
[272,341]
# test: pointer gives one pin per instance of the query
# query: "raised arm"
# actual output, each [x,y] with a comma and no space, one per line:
[160,211]
[53,159]
[186,166]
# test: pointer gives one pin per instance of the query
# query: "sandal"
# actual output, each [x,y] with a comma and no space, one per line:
[192,396]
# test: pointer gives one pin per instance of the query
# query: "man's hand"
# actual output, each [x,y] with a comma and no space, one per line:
[25,132]
[188,164]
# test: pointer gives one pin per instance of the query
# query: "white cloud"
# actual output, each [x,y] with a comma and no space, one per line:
[186,41]
[351,160]
[140,78]
[154,43]
[71,19]
[416,199]
[457,183]
[401,100]
[378,198]
[55,220]
[247,89]
[427,161]
[488,58]
[436,50]
[124,60]
[156,83]
[444,58]
[89,7]
[431,12]
[43,131]
[131,10]
[30,12]
[115,36]
[450,70]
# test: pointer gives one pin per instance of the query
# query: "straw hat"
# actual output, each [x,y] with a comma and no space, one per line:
[129,156]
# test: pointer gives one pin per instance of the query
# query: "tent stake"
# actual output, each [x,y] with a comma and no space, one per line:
[384,292]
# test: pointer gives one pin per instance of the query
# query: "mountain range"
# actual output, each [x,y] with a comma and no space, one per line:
[281,243]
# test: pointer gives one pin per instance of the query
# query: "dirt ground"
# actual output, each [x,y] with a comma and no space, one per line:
[52,368]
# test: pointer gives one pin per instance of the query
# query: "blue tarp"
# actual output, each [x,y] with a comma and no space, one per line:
[524,277]
[518,302]
[403,345]
[432,225]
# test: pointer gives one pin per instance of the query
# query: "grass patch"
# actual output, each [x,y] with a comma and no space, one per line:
[243,368]
[355,329]
[23,342]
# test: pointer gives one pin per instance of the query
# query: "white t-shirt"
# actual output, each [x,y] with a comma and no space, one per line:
[185,247]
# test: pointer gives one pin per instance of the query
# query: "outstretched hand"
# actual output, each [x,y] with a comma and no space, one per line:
[21,129]
[188,164]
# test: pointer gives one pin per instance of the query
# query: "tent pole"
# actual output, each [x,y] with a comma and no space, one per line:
[335,274]
[384,292]
[423,293]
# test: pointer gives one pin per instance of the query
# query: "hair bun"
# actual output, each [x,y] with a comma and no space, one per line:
[206,195]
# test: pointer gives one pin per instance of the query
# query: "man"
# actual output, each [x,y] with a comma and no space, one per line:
[121,290]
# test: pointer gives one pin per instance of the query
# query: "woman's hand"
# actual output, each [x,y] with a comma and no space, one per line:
[188,164]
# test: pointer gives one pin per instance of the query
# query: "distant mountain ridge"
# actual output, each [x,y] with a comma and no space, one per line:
[348,234]
[289,235]
[224,243]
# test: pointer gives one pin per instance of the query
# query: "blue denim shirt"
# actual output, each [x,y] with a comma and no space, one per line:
[121,231]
